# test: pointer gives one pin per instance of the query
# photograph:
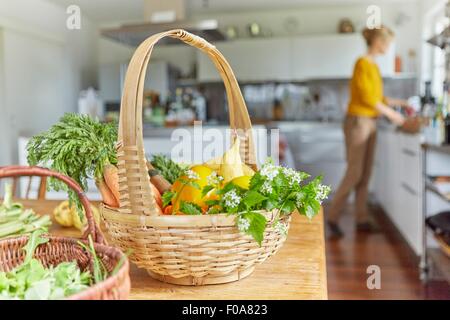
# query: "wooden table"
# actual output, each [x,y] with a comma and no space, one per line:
[297,271]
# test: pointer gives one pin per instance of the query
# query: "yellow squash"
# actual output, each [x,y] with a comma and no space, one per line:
[189,193]
[67,216]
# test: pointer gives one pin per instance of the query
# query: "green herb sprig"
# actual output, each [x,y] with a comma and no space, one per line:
[77,146]
[271,188]
[168,168]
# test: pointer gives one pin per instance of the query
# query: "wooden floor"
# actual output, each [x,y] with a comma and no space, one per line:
[349,257]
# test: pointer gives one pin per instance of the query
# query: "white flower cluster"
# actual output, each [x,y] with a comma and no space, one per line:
[269,170]
[266,188]
[299,200]
[281,228]
[293,176]
[192,175]
[243,224]
[214,179]
[231,199]
[322,192]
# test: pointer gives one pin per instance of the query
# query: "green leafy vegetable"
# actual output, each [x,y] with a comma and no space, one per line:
[167,197]
[190,208]
[169,169]
[32,281]
[253,198]
[254,224]
[99,269]
[14,220]
[77,146]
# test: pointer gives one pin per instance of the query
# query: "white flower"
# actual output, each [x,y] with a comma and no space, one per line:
[293,176]
[192,175]
[269,170]
[266,188]
[281,228]
[214,179]
[243,224]
[322,192]
[231,199]
[299,200]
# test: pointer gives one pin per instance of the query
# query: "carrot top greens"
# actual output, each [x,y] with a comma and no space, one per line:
[77,146]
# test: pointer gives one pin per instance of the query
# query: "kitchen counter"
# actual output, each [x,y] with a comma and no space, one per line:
[297,271]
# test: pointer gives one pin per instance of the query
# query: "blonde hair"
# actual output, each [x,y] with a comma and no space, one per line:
[382,32]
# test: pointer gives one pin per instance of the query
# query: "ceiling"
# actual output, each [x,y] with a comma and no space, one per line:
[113,11]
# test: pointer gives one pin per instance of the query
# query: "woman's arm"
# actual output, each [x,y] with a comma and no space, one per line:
[394,116]
[392,102]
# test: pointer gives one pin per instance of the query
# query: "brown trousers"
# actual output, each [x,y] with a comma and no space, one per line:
[360,141]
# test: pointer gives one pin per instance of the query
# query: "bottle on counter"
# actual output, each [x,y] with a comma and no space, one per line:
[446,118]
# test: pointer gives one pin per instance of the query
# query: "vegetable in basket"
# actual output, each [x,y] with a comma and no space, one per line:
[15,220]
[33,281]
[230,189]
[80,147]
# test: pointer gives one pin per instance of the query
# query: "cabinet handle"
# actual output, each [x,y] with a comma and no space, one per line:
[409,189]
[409,152]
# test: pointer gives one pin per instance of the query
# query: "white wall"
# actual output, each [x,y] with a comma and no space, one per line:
[43,66]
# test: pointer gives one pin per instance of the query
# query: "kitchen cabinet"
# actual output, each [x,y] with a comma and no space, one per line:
[327,56]
[298,58]
[250,59]
[398,183]
[332,56]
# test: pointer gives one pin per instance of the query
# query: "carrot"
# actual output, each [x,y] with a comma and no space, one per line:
[168,209]
[157,179]
[156,195]
[111,176]
[106,193]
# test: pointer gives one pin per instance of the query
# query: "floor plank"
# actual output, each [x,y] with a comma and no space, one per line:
[349,257]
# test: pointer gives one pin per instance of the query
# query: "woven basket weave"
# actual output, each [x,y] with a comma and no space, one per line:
[61,249]
[187,250]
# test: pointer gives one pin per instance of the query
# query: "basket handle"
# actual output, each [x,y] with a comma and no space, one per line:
[135,192]
[16,171]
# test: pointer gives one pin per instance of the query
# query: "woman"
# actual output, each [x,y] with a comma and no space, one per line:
[367,103]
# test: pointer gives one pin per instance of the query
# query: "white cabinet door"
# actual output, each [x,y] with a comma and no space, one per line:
[332,56]
[327,56]
[398,183]
[251,60]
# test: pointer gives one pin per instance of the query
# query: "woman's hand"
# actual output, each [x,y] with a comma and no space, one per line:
[395,117]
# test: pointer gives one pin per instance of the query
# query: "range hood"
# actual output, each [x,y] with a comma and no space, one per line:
[163,15]
[134,34]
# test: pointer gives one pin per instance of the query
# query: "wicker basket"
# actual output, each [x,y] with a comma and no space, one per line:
[61,249]
[187,250]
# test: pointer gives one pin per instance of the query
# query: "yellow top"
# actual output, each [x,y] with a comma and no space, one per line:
[366,89]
